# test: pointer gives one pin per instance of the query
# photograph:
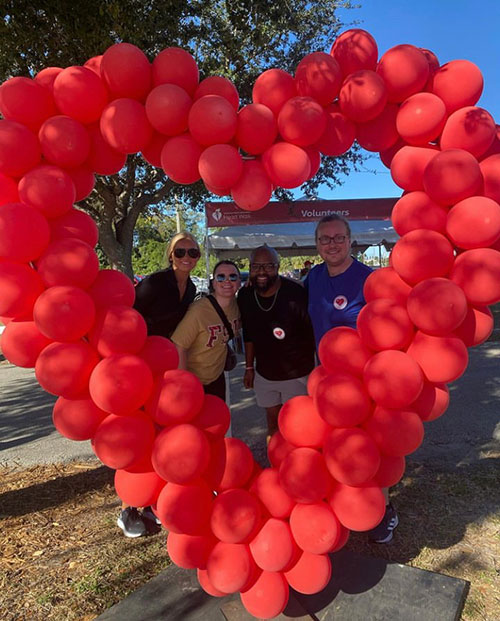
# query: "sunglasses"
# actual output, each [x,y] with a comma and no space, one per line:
[194,253]
[222,277]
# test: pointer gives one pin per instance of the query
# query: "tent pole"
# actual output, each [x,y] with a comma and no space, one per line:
[206,249]
[380,255]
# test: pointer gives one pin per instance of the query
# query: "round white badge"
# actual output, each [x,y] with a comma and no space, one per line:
[340,302]
[279,333]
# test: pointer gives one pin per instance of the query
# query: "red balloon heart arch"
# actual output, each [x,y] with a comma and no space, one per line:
[264,530]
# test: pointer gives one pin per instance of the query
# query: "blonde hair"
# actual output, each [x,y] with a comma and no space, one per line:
[172,243]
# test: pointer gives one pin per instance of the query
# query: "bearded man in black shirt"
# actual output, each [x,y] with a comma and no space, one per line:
[278,335]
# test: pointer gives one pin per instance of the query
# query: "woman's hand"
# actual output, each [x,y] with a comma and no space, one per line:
[248,378]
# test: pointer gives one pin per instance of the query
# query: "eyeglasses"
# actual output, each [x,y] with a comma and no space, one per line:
[336,239]
[222,277]
[267,267]
[194,253]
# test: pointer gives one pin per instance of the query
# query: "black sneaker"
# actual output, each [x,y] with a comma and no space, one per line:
[151,519]
[131,523]
[384,531]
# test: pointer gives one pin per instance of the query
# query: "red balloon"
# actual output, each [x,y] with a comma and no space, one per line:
[304,476]
[490,170]
[48,188]
[231,464]
[277,449]
[393,379]
[343,538]
[118,330]
[94,64]
[180,453]
[416,210]
[458,83]
[229,566]
[386,283]
[64,314]
[160,354]
[380,133]
[342,400]
[315,528]
[341,349]
[214,418]
[268,597]
[396,432]
[391,470]
[74,224]
[405,71]
[387,156]
[452,176]
[212,120]
[422,254]
[351,456]
[174,65]
[68,262]
[64,369]
[432,401]
[167,109]
[19,149]
[121,441]
[138,489]
[152,151]
[64,141]
[287,165]
[26,101]
[273,88]
[433,61]
[310,574]
[220,165]
[363,96]
[318,75]
[355,49]
[80,93]
[301,121]
[437,306]
[185,509]
[206,585]
[358,508]
[24,232]
[271,495]
[495,146]
[217,85]
[20,286]
[408,165]
[103,159]
[443,358]
[315,377]
[178,398]
[112,288]
[300,424]
[472,129]
[22,342]
[474,222]
[77,419]
[46,77]
[257,128]
[253,189]
[190,551]
[476,327]
[235,516]
[339,133]
[477,271]
[315,160]
[179,159]
[121,384]
[421,118]
[384,324]
[83,180]
[125,126]
[8,190]
[273,548]
[126,71]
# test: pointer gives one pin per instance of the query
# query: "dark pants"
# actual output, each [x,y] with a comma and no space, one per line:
[217,387]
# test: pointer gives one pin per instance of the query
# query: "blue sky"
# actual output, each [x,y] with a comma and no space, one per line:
[452,29]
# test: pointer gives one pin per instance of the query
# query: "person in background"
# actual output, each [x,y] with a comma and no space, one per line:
[335,298]
[201,337]
[277,333]
[162,298]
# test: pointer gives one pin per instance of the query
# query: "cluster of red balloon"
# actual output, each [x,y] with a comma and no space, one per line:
[263,530]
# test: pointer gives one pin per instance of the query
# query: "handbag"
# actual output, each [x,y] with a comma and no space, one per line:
[231,359]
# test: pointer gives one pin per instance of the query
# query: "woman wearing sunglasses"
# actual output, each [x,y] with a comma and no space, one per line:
[163,298]
[201,336]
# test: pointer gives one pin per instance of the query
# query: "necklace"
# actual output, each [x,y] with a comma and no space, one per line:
[275,297]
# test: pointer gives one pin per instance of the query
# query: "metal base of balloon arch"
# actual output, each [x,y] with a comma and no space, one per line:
[363,589]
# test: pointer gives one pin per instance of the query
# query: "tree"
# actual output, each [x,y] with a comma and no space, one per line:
[238,40]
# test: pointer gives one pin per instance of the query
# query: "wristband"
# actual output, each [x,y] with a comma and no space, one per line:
[249,369]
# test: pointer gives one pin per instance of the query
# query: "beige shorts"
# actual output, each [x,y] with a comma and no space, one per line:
[270,393]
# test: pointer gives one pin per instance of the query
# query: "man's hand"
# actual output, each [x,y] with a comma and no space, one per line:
[248,378]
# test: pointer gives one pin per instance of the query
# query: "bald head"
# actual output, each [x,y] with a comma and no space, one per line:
[264,254]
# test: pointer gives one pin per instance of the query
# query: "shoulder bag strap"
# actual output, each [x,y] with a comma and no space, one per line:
[222,315]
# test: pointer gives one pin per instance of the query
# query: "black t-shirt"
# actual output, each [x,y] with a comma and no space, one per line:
[157,299]
[282,336]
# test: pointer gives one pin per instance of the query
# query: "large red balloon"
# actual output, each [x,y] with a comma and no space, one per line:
[68,262]
[126,71]
[19,149]
[443,358]
[178,397]
[218,85]
[185,509]
[396,432]
[48,188]
[355,49]
[220,166]
[152,151]
[121,384]
[380,133]
[476,327]
[315,377]
[174,65]
[339,133]
[75,224]
[490,169]
[432,402]
[8,190]
[384,324]
[393,379]
[277,449]
[257,128]
[231,465]
[351,456]
[212,120]
[318,75]
[229,566]
[386,283]
[408,165]
[273,88]
[80,93]
[167,109]
[77,419]
[103,159]
[458,83]
[422,254]
[118,330]
[315,528]
[180,453]
[20,286]
[253,189]
[22,343]
[416,210]
[310,574]
[342,400]
[358,508]
[405,71]
[46,77]
[421,118]
[341,349]
[474,222]
[138,489]
[304,476]
[477,271]
[235,516]
[452,176]
[190,551]
[206,585]
[300,424]
[363,96]
[267,598]
[64,141]
[273,548]
[125,126]
[179,159]
[472,129]
[26,101]
[214,418]
[24,232]
[272,496]
[286,164]
[83,179]
[391,470]
[112,288]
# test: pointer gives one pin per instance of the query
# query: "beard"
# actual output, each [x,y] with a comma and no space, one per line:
[262,285]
